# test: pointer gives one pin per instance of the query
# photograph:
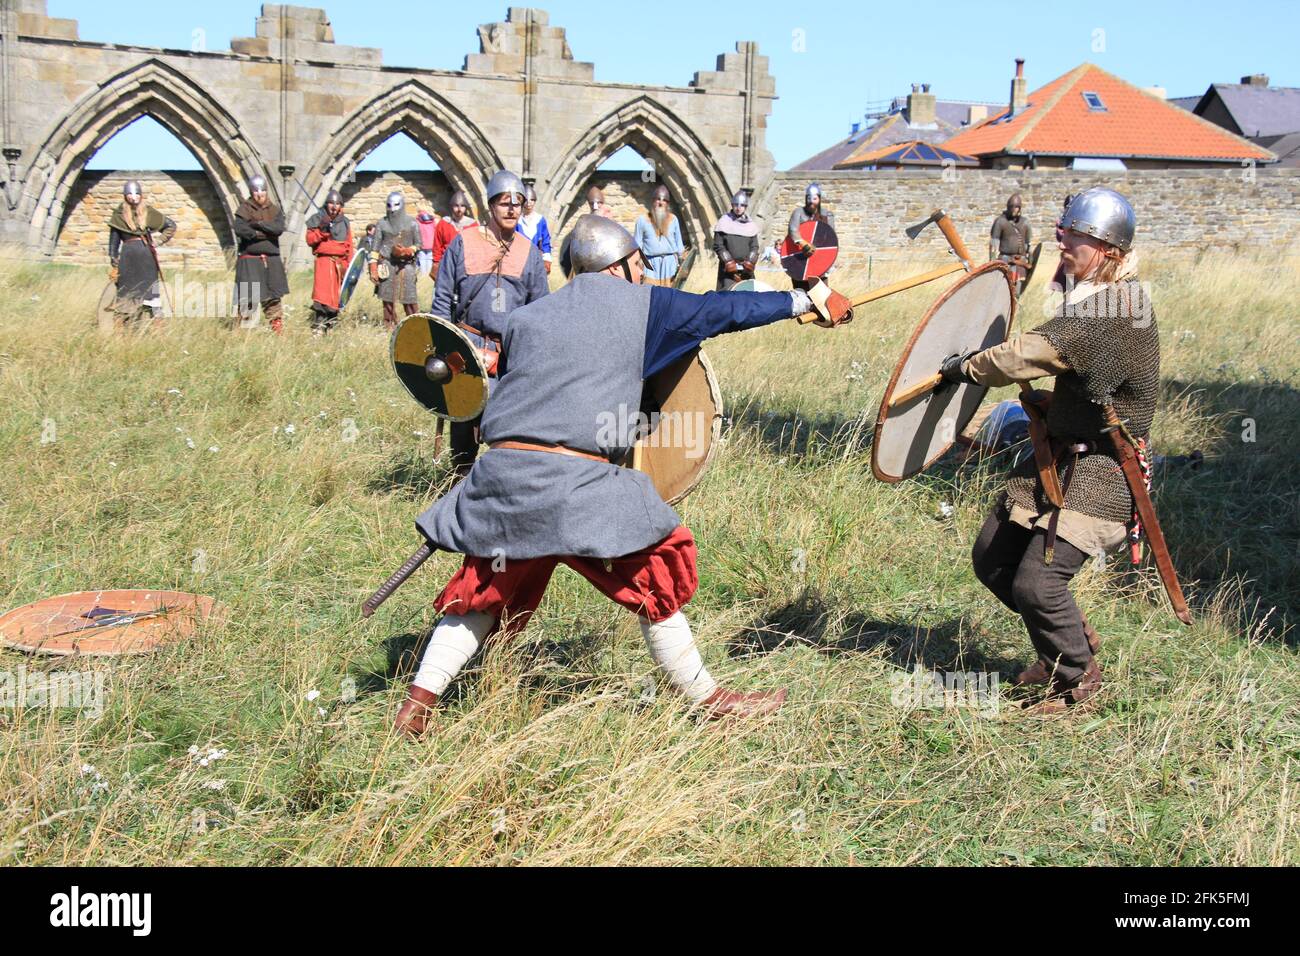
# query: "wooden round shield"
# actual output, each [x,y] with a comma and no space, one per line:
[800,266]
[350,278]
[440,367]
[684,407]
[975,313]
[684,270]
[107,623]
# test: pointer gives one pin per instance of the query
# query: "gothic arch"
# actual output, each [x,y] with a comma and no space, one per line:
[679,158]
[449,136]
[150,88]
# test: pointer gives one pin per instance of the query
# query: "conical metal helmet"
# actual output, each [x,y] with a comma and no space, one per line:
[740,199]
[595,244]
[334,196]
[257,184]
[458,198]
[813,190]
[396,202]
[661,192]
[504,181]
[132,187]
[1103,214]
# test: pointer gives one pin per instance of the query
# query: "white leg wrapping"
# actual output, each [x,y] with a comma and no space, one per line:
[455,640]
[673,648]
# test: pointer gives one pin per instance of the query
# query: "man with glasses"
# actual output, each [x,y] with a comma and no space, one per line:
[485,275]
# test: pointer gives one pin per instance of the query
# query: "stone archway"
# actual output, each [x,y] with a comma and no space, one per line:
[150,88]
[679,158]
[453,141]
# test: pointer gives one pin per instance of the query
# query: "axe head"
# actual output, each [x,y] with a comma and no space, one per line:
[914,231]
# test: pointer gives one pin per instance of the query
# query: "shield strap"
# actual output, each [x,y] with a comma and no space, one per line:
[1035,406]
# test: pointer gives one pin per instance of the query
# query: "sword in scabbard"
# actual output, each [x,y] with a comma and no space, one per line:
[1032,402]
[162,282]
[397,579]
[1125,449]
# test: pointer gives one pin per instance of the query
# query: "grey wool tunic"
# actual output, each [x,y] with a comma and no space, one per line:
[574,365]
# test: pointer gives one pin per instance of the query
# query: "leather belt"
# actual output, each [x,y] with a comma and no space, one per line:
[554,449]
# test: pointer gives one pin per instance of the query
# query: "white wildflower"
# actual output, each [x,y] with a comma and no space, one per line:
[312,694]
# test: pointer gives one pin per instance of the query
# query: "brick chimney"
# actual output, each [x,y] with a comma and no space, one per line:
[1019,88]
[1255,79]
[920,106]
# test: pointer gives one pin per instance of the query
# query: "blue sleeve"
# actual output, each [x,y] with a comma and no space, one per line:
[535,283]
[680,321]
[446,287]
[543,236]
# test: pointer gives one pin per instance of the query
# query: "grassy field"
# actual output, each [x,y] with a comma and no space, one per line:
[282,476]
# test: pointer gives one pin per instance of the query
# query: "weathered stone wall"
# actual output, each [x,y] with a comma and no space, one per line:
[290,96]
[1179,211]
[628,196]
[202,236]
[202,239]
[365,200]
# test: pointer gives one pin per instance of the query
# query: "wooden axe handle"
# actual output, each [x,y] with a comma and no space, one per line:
[901,285]
[954,240]
[912,391]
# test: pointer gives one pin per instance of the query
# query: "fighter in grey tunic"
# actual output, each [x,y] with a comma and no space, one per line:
[547,492]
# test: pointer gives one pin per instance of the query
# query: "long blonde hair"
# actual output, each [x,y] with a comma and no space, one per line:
[1111,269]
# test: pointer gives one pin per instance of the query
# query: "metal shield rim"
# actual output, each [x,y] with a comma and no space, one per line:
[447,324]
[715,427]
[358,257]
[213,611]
[883,414]
[684,268]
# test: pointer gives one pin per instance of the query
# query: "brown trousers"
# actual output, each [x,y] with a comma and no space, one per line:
[1008,560]
[390,312]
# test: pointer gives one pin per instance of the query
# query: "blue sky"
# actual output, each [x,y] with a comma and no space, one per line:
[831,59]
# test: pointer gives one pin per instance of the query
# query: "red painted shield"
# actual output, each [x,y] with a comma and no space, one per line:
[826,245]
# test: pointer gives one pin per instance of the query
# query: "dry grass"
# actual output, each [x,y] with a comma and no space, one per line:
[556,749]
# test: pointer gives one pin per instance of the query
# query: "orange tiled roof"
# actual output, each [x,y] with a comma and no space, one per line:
[1057,121]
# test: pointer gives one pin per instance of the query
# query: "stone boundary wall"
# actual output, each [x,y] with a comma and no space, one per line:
[1179,211]
[203,239]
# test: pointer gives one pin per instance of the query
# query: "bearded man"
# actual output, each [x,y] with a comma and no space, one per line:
[659,237]
[259,273]
[486,274]
[329,234]
[548,492]
[735,242]
[397,240]
[133,267]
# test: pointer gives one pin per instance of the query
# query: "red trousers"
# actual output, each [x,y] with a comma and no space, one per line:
[654,583]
